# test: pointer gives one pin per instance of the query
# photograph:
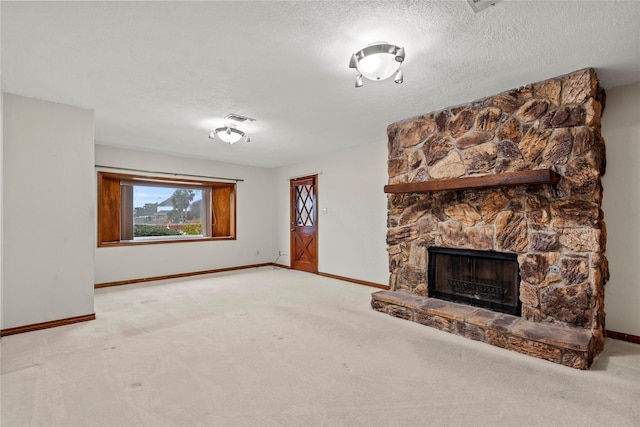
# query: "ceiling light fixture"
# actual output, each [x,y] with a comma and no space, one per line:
[378,61]
[229,134]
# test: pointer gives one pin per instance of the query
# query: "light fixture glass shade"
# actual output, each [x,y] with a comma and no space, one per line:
[378,66]
[228,136]
[378,61]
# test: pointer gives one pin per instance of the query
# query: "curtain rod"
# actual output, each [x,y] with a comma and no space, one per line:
[170,173]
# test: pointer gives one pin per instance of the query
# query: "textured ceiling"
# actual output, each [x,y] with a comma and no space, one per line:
[161,75]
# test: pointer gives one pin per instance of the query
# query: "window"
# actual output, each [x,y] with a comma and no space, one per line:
[143,210]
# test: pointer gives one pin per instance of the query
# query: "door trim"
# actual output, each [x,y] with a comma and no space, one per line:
[293,226]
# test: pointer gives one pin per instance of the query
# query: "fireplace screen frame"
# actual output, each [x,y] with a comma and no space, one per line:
[513,308]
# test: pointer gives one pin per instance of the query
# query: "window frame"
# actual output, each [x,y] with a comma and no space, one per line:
[222,209]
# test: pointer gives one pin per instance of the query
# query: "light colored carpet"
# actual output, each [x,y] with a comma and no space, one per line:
[272,347]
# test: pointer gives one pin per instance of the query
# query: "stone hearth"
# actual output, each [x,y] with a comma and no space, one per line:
[556,229]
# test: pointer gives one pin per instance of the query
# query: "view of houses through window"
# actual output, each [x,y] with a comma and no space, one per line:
[167,211]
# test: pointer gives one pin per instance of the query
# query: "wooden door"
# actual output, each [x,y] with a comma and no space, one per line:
[304,224]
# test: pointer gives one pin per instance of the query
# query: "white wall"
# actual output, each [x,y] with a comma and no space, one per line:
[1,201]
[1,175]
[49,211]
[254,218]
[621,206]
[352,234]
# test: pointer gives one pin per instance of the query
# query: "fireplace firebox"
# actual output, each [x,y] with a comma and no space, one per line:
[480,278]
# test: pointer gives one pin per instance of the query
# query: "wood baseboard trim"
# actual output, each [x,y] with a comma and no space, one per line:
[623,337]
[242,267]
[356,281]
[286,267]
[178,275]
[46,325]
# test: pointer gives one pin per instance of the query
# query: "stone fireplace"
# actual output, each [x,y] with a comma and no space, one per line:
[518,175]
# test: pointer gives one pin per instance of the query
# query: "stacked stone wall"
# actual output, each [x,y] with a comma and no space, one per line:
[552,124]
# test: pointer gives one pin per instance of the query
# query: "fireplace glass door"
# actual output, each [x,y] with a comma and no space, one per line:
[480,278]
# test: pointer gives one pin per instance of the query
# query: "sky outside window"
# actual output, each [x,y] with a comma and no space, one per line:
[143,195]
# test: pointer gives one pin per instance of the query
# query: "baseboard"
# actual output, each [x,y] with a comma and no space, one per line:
[623,337]
[179,275]
[46,325]
[220,270]
[359,282]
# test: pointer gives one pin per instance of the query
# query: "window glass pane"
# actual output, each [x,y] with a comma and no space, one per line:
[167,211]
[304,205]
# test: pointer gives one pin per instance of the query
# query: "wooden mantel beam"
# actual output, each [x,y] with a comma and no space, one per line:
[507,179]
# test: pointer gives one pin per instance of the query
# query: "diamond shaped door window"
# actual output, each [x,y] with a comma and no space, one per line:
[304,205]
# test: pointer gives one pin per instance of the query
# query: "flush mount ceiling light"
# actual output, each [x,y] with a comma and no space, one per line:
[378,61]
[229,134]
